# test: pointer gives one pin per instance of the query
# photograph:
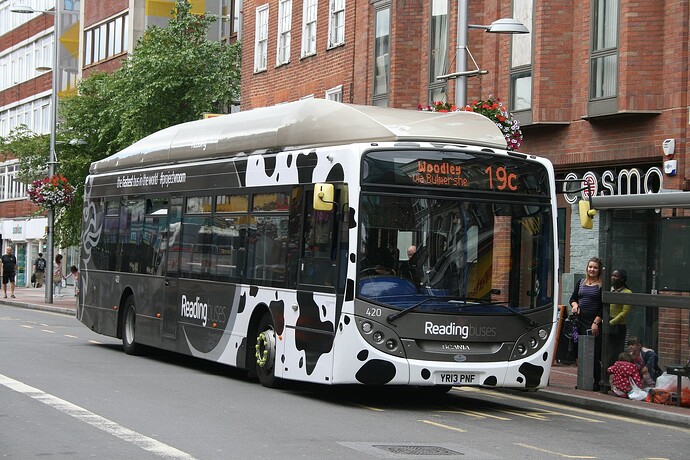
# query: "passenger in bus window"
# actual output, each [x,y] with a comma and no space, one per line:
[618,314]
[409,268]
[588,308]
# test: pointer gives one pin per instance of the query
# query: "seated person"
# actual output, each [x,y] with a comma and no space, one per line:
[409,268]
[621,372]
[646,360]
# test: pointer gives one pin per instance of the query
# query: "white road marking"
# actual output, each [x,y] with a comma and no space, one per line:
[143,442]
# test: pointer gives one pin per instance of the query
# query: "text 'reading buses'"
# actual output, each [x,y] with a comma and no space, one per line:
[358,252]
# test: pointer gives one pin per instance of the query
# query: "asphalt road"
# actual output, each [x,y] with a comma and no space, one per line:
[66,392]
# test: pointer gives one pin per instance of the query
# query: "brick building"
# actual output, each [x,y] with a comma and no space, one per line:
[597,86]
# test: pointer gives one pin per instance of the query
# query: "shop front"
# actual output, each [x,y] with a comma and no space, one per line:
[26,237]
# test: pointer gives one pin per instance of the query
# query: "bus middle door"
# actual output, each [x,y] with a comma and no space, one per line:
[171,304]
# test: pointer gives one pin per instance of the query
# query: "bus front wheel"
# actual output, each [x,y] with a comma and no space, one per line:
[129,328]
[265,352]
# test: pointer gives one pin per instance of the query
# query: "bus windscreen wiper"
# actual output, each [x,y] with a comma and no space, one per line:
[531,323]
[394,316]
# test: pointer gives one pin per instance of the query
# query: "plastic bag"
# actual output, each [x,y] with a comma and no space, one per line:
[637,393]
[64,283]
[666,382]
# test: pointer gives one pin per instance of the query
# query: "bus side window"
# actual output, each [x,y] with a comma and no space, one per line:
[110,235]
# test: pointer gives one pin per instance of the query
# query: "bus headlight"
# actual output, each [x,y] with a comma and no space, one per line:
[378,336]
[366,327]
[391,344]
[521,349]
[543,334]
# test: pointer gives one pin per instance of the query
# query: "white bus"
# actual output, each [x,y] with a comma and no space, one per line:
[276,240]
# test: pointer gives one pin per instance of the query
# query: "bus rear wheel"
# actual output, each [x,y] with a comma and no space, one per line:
[128,331]
[265,352]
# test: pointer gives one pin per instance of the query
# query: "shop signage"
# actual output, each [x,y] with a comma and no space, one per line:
[624,182]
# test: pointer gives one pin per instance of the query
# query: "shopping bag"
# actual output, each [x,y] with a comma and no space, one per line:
[636,393]
[64,283]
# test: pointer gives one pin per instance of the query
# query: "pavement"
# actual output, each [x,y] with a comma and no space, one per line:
[561,388]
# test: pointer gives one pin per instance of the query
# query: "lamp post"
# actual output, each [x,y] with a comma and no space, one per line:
[500,26]
[52,159]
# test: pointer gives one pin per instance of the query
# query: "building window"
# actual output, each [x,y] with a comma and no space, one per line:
[309,28]
[230,20]
[35,115]
[381,56]
[10,187]
[335,94]
[604,58]
[19,63]
[521,59]
[438,52]
[284,28]
[106,40]
[336,23]
[261,40]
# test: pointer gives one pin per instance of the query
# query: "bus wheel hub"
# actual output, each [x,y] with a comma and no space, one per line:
[265,349]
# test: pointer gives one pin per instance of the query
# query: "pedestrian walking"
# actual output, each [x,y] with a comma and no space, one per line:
[9,266]
[40,270]
[57,275]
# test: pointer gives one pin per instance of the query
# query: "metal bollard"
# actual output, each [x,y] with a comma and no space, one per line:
[585,362]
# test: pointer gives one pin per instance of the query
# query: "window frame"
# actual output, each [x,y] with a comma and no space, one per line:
[603,101]
[284,32]
[381,98]
[261,39]
[336,23]
[309,27]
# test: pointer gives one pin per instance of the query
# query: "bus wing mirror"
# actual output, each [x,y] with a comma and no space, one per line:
[586,214]
[323,197]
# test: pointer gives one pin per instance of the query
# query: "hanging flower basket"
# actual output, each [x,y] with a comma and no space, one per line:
[493,109]
[51,192]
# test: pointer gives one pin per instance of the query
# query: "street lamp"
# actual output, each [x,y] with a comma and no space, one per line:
[52,159]
[500,26]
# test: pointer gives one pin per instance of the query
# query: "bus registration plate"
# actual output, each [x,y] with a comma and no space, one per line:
[457,378]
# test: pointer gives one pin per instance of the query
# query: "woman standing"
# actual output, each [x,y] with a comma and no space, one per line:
[57,275]
[589,309]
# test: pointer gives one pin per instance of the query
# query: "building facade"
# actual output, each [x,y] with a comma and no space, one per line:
[600,88]
[93,36]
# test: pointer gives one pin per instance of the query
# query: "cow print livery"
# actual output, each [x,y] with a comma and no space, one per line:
[307,323]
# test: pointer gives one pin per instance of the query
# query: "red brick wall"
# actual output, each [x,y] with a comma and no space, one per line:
[95,12]
[29,29]
[25,89]
[17,208]
[301,77]
[673,336]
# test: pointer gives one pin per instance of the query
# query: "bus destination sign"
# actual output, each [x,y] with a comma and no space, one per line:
[444,173]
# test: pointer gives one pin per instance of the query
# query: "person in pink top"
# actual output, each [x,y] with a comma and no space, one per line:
[621,372]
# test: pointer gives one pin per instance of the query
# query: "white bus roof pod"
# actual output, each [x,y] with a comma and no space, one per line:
[305,123]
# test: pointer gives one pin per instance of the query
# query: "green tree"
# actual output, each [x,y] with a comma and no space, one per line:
[173,75]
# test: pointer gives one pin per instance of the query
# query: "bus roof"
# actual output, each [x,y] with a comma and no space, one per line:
[306,123]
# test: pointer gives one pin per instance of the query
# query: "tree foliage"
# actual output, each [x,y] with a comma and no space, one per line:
[173,75]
